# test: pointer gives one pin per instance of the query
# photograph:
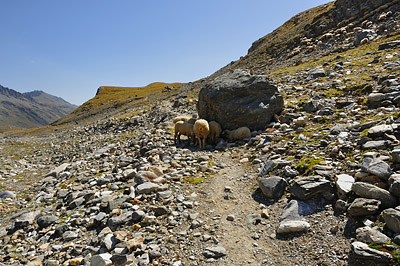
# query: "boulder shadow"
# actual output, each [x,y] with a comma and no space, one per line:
[259,197]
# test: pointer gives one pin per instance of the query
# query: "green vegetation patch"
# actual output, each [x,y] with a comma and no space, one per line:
[383,247]
[195,180]
[306,164]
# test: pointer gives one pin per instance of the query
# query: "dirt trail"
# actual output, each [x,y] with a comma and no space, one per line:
[231,206]
[232,214]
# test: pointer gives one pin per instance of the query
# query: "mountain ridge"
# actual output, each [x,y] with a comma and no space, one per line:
[30,109]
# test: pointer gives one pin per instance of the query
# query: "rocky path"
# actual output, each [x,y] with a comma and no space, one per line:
[226,205]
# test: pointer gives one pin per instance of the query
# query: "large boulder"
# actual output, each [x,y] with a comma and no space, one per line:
[238,99]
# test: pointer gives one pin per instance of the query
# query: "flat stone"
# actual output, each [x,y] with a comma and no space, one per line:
[69,236]
[316,73]
[379,131]
[376,145]
[56,171]
[268,166]
[363,252]
[306,187]
[214,252]
[292,226]
[75,261]
[7,195]
[369,191]
[134,243]
[376,97]
[120,219]
[145,176]
[147,188]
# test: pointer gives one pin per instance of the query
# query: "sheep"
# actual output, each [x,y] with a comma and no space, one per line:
[215,131]
[237,134]
[190,120]
[201,130]
[364,41]
[183,128]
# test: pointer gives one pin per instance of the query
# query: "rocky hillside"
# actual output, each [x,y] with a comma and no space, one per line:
[31,109]
[327,29]
[319,185]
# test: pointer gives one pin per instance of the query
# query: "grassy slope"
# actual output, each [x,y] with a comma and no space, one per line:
[111,99]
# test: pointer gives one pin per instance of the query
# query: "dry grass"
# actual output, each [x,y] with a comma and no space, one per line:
[113,98]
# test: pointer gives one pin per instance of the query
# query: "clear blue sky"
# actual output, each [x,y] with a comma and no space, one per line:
[69,48]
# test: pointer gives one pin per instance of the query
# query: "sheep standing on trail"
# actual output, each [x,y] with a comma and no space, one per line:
[237,134]
[201,130]
[183,128]
[215,131]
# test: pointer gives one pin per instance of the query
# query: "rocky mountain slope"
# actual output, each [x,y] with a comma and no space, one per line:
[31,109]
[318,186]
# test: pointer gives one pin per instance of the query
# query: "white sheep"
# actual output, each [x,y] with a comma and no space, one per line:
[190,120]
[215,131]
[237,134]
[201,130]
[183,128]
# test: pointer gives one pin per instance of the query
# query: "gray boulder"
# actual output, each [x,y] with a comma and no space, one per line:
[272,187]
[392,219]
[362,206]
[238,99]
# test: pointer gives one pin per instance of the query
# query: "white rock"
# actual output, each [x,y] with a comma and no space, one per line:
[292,226]
[343,184]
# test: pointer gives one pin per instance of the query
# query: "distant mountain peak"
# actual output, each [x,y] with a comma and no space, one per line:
[31,109]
